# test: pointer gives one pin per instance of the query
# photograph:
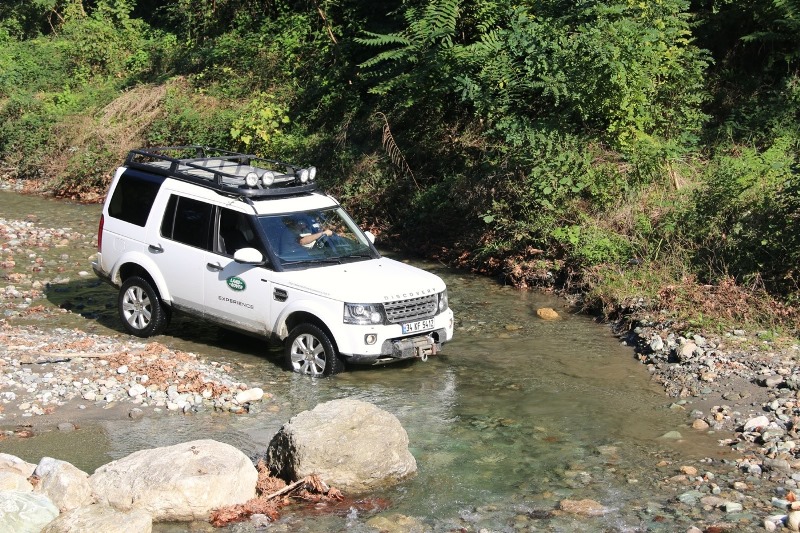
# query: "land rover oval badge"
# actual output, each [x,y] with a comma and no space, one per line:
[236,283]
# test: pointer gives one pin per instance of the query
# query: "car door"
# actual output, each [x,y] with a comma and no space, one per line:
[235,293]
[179,250]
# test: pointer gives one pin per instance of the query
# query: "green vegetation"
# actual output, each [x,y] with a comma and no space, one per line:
[642,154]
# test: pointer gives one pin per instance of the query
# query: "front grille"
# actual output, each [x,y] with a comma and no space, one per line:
[411,309]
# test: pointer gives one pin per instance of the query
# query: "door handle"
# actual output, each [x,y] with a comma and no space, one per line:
[216,267]
[155,248]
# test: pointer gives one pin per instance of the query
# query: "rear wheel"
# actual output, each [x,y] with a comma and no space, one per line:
[310,351]
[140,307]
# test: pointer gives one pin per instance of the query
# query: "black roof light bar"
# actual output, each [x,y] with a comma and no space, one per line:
[230,172]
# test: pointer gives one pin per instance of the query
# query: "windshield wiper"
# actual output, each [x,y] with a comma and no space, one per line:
[322,260]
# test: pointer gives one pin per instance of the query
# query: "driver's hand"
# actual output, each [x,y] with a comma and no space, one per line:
[328,232]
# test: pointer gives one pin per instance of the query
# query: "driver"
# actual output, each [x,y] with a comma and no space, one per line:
[306,236]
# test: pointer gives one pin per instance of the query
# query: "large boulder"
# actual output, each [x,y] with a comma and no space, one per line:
[100,518]
[12,463]
[350,444]
[183,482]
[25,512]
[66,485]
[14,481]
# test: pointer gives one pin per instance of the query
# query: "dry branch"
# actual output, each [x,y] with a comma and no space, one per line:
[395,155]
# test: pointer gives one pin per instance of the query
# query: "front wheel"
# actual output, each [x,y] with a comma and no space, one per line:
[310,351]
[140,308]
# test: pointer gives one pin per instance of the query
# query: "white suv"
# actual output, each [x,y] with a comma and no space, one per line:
[252,245]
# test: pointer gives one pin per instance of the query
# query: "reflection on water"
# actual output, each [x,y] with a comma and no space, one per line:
[515,415]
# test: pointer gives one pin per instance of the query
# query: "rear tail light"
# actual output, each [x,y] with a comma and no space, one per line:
[100,235]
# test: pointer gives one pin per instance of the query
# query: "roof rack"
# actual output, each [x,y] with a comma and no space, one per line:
[222,170]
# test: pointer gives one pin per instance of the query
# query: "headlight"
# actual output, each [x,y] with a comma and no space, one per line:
[443,301]
[363,314]
[303,175]
[312,173]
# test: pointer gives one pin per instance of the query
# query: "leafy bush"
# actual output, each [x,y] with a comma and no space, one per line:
[191,118]
[258,127]
[747,218]
[24,130]
[33,66]
[537,203]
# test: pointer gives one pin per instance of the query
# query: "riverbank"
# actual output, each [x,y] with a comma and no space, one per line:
[721,383]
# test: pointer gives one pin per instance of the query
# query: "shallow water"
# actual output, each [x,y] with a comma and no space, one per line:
[515,415]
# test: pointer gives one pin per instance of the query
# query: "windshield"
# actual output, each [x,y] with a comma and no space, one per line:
[316,237]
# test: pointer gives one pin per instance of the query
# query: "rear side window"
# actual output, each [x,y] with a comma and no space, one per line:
[133,197]
[188,221]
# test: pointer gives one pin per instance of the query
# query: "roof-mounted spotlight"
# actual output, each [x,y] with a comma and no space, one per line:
[251,179]
[268,178]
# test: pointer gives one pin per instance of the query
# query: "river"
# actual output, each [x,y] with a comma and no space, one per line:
[516,415]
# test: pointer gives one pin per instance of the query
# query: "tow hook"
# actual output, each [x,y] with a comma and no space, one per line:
[427,349]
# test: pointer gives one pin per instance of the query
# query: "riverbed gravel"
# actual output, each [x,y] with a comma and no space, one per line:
[61,372]
[742,386]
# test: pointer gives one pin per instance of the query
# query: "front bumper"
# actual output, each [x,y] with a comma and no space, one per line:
[391,346]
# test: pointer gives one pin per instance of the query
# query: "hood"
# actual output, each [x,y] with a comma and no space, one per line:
[373,281]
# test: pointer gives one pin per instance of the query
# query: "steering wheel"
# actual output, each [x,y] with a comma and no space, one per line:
[320,243]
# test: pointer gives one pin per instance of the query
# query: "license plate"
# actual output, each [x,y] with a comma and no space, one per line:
[420,325]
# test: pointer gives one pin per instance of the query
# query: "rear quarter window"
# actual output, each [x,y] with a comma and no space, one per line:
[133,197]
[188,221]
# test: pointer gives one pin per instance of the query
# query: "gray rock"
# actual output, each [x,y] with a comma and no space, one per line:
[66,485]
[136,390]
[25,512]
[732,507]
[351,444]
[686,351]
[183,482]
[100,518]
[793,382]
[778,465]
[771,381]
[656,343]
[756,422]
[690,497]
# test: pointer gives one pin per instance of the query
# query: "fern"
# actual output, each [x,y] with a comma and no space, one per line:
[428,33]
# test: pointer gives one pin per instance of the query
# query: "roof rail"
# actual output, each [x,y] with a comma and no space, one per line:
[229,172]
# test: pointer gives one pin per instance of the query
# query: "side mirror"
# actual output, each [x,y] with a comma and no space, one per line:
[370,237]
[248,256]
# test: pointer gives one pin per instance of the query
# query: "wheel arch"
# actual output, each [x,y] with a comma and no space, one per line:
[296,318]
[143,269]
